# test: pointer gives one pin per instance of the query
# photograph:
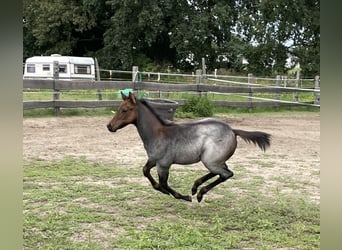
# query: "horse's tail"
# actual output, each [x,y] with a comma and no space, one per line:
[262,139]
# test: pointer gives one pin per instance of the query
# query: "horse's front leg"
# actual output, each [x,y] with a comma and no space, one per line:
[163,174]
[147,173]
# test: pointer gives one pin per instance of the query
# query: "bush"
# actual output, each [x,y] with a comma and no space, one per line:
[199,106]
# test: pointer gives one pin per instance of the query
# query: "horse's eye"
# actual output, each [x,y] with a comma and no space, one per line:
[124,110]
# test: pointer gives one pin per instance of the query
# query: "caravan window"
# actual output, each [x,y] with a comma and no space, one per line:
[46,67]
[31,68]
[62,68]
[82,69]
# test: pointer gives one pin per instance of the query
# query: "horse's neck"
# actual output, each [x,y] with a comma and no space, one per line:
[147,124]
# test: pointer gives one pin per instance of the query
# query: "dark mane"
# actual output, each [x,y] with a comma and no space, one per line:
[148,105]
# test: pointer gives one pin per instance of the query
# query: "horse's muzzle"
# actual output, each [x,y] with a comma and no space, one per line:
[110,128]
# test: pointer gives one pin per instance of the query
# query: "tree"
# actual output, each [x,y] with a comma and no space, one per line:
[276,29]
[204,30]
[64,27]
[157,34]
[164,33]
[134,28]
[176,33]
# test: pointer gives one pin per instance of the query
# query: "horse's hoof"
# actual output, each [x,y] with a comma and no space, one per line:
[199,197]
[188,198]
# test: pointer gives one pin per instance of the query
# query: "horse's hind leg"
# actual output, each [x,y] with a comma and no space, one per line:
[223,176]
[147,173]
[200,181]
[163,174]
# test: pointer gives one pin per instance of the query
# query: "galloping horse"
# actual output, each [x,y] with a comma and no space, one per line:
[211,141]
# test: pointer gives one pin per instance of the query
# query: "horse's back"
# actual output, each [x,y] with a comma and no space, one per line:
[212,127]
[205,122]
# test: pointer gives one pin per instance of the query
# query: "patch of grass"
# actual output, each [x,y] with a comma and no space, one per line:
[48,112]
[280,109]
[86,205]
[196,107]
[65,112]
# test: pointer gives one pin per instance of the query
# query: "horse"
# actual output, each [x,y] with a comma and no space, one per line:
[209,140]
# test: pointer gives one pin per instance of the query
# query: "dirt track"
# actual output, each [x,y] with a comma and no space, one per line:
[294,154]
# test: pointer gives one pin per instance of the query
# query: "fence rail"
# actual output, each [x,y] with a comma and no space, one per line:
[199,86]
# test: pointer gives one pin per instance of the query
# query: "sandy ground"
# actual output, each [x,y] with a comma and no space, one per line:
[292,163]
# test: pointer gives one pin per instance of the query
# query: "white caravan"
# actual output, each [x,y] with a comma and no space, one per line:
[70,67]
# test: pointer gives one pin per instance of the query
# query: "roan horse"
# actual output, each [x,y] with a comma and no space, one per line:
[211,141]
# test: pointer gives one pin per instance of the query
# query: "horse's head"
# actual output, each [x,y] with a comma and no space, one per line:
[126,114]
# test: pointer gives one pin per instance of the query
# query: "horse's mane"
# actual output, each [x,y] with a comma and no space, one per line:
[148,105]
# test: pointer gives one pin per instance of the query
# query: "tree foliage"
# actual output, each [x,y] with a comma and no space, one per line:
[61,26]
[158,34]
[276,29]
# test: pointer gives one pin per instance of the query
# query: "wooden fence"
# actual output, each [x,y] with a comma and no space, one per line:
[198,87]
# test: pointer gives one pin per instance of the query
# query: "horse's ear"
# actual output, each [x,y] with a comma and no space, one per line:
[132,98]
[124,97]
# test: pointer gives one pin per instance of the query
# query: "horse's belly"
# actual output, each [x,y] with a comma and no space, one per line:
[187,157]
[186,161]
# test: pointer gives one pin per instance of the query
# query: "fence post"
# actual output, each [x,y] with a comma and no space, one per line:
[204,71]
[277,95]
[198,76]
[317,87]
[250,94]
[135,71]
[198,80]
[295,94]
[55,91]
[97,70]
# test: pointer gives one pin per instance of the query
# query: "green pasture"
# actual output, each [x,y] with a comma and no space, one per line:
[47,95]
[75,204]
